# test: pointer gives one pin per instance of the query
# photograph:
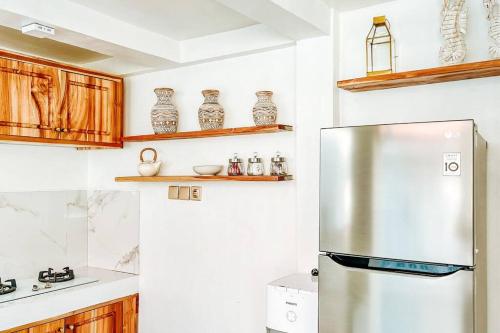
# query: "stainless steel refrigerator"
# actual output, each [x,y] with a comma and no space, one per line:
[402,229]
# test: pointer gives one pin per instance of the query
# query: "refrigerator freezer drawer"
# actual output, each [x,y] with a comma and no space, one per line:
[366,301]
[401,191]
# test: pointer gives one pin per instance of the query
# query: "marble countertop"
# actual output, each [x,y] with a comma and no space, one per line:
[111,285]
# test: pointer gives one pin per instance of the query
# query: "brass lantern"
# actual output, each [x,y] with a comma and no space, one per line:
[379,48]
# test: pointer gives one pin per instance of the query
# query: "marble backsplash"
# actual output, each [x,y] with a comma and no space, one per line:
[39,230]
[55,229]
[114,230]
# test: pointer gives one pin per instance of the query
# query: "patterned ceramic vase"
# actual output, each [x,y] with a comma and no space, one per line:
[264,111]
[211,113]
[164,115]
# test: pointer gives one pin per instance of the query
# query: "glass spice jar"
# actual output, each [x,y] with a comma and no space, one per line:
[255,166]
[235,167]
[279,165]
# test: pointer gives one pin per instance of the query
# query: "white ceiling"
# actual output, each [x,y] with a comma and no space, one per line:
[353,4]
[134,36]
[12,39]
[176,19]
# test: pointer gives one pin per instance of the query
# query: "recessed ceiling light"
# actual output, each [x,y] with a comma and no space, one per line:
[38,30]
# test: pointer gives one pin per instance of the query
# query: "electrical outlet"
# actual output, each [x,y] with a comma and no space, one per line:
[196,193]
[173,192]
[184,192]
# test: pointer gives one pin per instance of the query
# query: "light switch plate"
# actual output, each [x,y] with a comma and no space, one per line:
[173,192]
[184,192]
[196,193]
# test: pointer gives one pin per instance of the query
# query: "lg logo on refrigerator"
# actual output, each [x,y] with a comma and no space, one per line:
[451,164]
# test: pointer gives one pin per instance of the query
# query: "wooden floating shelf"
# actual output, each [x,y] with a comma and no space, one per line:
[173,179]
[210,133]
[473,70]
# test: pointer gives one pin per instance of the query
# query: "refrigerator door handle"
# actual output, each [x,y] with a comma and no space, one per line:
[397,266]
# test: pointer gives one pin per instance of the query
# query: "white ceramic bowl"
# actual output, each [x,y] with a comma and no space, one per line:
[208,170]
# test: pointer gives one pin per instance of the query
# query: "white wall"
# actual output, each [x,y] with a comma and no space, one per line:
[45,212]
[41,168]
[43,206]
[314,111]
[416,26]
[205,265]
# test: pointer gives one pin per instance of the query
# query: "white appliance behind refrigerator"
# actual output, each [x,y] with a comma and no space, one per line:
[292,304]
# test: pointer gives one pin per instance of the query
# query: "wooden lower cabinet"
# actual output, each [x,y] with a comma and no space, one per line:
[118,316]
[107,319]
[56,326]
[130,314]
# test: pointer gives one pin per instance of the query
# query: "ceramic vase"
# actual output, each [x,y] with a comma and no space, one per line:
[164,114]
[264,111]
[211,113]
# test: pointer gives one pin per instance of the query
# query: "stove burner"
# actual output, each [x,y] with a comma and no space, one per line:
[8,286]
[55,277]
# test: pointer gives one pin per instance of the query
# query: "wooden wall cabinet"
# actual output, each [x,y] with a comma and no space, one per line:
[91,110]
[119,316]
[27,97]
[47,102]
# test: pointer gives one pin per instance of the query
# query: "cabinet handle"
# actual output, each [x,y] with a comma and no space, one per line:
[71,327]
[60,329]
[57,129]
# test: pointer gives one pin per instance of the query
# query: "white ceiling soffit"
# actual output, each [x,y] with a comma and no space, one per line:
[71,17]
[131,59]
[344,5]
[236,42]
[295,19]
[15,40]
[176,19]
[133,40]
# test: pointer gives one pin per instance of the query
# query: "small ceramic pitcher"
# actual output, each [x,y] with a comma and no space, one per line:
[149,168]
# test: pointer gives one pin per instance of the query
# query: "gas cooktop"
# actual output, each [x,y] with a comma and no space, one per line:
[55,277]
[7,287]
[48,281]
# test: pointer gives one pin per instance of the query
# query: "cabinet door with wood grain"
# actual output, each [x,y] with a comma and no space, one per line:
[107,319]
[52,327]
[90,109]
[130,314]
[28,99]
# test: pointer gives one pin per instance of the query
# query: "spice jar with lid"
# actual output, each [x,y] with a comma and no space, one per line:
[235,167]
[279,165]
[255,166]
